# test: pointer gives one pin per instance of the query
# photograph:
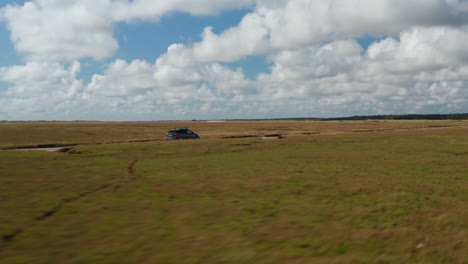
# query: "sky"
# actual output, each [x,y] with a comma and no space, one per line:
[142,60]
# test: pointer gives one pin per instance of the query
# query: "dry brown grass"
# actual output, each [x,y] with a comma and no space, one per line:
[321,194]
[66,133]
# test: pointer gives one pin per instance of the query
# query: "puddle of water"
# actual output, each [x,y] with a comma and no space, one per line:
[41,149]
[270,137]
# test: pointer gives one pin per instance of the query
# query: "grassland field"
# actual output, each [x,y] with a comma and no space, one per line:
[323,192]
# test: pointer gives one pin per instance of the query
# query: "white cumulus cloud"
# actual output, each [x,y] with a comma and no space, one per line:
[57,30]
[417,63]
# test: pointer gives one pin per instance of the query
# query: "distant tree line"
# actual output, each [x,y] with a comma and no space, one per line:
[406,117]
[374,117]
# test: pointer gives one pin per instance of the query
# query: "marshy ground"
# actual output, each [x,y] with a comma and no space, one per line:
[323,192]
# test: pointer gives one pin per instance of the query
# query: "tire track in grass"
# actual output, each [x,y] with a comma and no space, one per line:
[131,167]
[11,236]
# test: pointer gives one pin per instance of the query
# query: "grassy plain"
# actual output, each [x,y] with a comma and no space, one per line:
[395,193]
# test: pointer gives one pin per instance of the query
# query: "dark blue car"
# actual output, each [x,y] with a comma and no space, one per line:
[181,133]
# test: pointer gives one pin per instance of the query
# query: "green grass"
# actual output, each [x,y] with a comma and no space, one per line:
[381,197]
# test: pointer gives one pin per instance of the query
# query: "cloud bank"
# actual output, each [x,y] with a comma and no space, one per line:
[416,63]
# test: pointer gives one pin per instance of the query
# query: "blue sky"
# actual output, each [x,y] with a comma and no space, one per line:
[8,55]
[148,40]
[199,59]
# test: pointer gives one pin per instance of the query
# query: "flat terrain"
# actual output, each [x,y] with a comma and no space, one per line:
[324,192]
